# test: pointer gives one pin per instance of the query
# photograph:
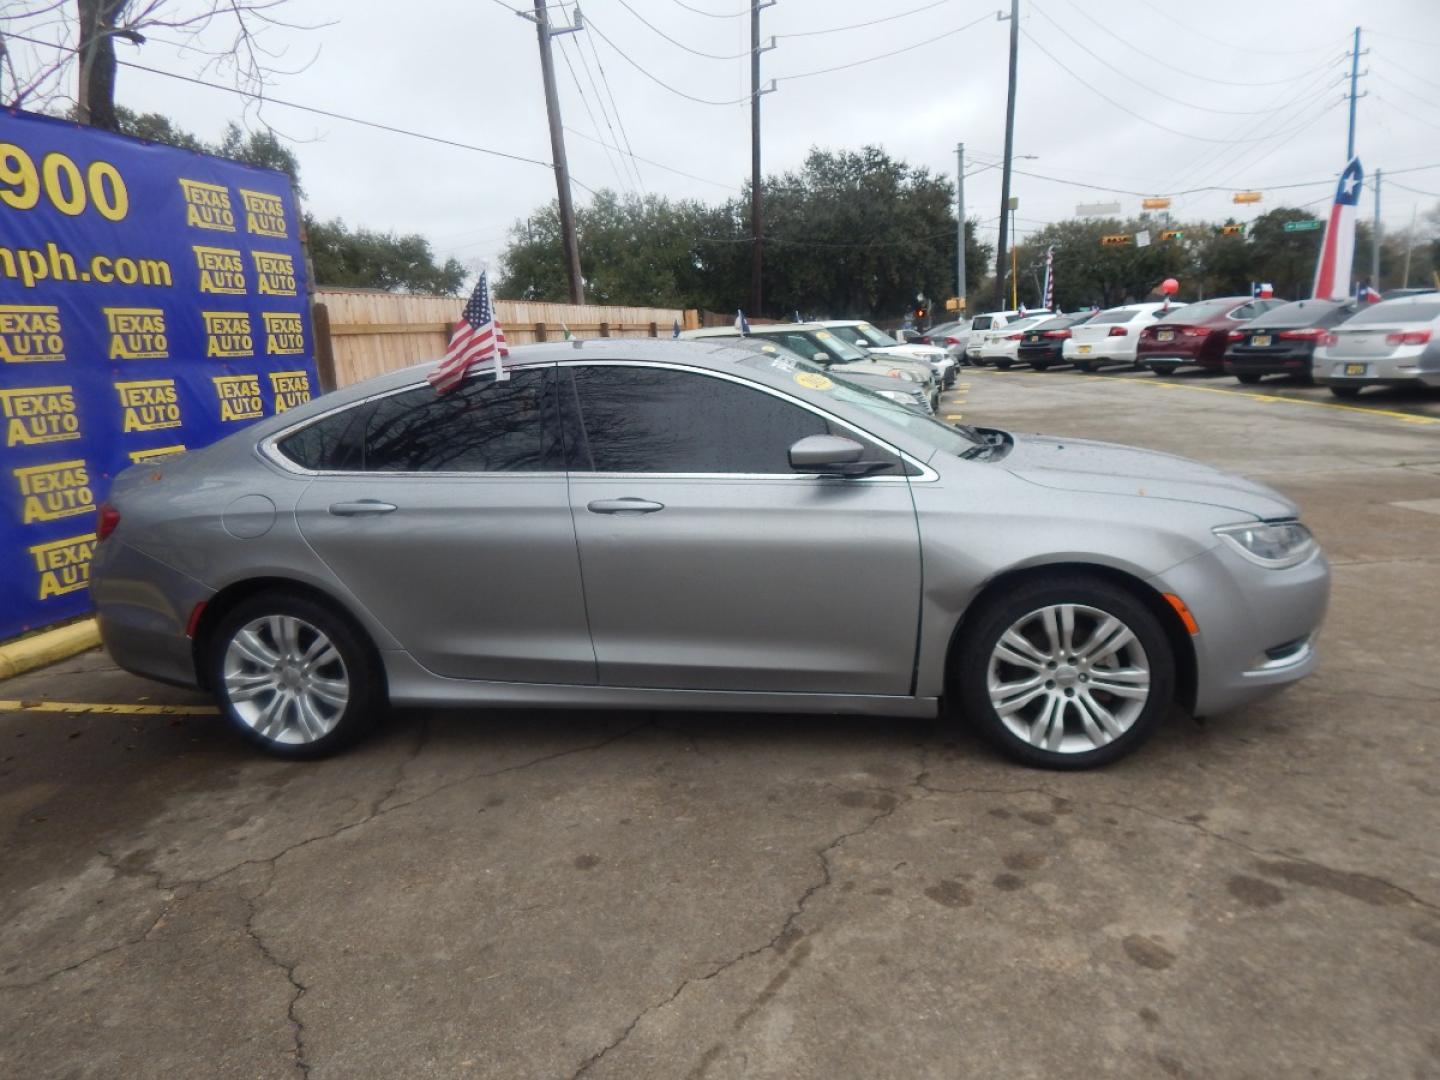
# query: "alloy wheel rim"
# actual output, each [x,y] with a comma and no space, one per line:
[285,679]
[1068,678]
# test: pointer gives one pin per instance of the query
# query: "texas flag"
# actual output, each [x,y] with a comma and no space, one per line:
[1337,254]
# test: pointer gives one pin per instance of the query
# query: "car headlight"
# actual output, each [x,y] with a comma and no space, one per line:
[1274,544]
[908,376]
[897,395]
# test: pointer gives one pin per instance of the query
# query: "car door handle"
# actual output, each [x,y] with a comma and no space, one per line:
[624,506]
[361,506]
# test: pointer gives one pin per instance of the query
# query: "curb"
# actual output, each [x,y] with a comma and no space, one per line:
[48,648]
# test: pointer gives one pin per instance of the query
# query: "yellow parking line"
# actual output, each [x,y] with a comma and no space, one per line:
[77,707]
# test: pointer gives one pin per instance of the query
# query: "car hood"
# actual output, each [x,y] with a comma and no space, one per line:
[1111,469]
[924,353]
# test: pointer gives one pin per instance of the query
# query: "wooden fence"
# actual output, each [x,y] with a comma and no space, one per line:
[360,333]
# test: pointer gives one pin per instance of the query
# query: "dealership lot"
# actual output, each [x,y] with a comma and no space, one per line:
[589,894]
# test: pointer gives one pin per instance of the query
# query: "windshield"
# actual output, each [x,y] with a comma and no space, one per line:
[876,337]
[951,438]
[1304,313]
[1398,312]
[808,342]
[1205,309]
[1116,315]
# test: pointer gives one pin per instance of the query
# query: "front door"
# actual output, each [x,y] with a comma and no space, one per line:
[709,564]
[453,529]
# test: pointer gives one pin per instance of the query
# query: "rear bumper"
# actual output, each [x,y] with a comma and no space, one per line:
[1101,352]
[1259,363]
[1257,626]
[1385,371]
[143,607]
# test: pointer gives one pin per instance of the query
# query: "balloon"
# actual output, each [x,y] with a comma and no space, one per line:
[1170,286]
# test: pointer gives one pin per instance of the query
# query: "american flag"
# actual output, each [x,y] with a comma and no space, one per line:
[1050,278]
[477,337]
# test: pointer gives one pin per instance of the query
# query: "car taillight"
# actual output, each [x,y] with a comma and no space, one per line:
[106,518]
[1408,337]
[1194,331]
[1014,337]
[1309,333]
[1236,335]
[1056,334]
[925,339]
[952,341]
[1118,331]
[1329,338]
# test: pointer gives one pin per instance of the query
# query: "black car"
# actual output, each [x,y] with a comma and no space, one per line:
[1041,344]
[1283,339]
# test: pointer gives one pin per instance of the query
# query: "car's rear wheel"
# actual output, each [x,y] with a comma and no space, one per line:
[1039,365]
[1249,378]
[1163,369]
[1085,365]
[1345,391]
[294,677]
[1065,672]
[1002,365]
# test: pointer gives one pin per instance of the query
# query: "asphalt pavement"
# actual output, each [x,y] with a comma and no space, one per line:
[567,894]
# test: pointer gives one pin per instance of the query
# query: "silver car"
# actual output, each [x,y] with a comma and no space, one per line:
[687,525]
[1392,343]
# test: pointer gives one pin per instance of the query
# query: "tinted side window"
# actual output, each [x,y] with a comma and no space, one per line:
[639,419]
[484,426]
[328,445]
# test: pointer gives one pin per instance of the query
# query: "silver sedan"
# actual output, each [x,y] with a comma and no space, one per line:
[687,525]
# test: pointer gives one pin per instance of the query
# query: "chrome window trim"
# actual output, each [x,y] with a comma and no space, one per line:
[268,448]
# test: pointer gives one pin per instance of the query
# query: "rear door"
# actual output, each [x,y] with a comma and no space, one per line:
[453,529]
[709,564]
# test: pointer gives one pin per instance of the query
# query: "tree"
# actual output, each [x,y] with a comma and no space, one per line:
[228,33]
[1088,271]
[366,259]
[1284,259]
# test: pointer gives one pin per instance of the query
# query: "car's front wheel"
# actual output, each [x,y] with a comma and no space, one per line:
[293,676]
[1249,378]
[1085,365]
[1065,672]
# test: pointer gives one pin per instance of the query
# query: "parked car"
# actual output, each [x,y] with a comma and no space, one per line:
[983,325]
[1000,346]
[1042,345]
[951,337]
[1282,341]
[1392,343]
[820,345]
[752,538]
[863,335]
[1109,337]
[902,391]
[1198,333]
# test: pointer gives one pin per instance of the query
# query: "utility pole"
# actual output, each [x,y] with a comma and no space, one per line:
[1375,239]
[1354,78]
[960,311]
[1009,148]
[757,194]
[569,242]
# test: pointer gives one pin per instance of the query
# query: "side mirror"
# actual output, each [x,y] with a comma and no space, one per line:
[822,358]
[832,455]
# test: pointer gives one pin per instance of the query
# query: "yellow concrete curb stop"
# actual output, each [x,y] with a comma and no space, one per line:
[48,648]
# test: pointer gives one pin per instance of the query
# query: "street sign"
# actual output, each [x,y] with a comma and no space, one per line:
[1014,202]
[1173,234]
[1302,226]
[1097,209]
[1246,196]
[1116,240]
[1142,238]
[952,304]
[1155,204]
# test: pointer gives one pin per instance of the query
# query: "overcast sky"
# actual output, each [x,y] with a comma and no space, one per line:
[468,70]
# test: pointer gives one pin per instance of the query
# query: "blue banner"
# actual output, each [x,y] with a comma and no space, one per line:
[152,300]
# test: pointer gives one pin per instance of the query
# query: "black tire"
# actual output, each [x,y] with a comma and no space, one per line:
[1002,365]
[1085,365]
[359,662]
[971,665]
[1039,365]
[1249,378]
[1346,392]
[1164,369]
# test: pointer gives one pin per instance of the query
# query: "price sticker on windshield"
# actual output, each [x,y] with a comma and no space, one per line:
[813,381]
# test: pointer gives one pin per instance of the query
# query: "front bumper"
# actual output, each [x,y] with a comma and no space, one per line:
[1257,626]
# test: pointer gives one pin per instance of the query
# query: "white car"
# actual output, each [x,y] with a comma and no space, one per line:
[1001,346]
[984,326]
[1112,336]
[875,341]
[1393,343]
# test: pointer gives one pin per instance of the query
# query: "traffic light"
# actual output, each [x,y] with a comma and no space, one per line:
[1173,234]
[919,313]
[1116,240]
[1232,230]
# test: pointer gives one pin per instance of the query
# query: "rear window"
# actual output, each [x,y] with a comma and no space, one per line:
[1205,309]
[1118,314]
[1060,322]
[331,444]
[982,322]
[1396,311]
[1303,313]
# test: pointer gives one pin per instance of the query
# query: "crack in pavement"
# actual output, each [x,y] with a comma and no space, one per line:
[779,941]
[297,1025]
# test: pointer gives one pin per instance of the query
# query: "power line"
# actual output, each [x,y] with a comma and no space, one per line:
[656,164]
[711,14]
[1150,89]
[590,25]
[314,109]
[1125,108]
[886,56]
[1409,116]
[1418,78]
[1412,190]
[680,44]
[871,22]
[624,180]
[600,100]
[1230,44]
[615,108]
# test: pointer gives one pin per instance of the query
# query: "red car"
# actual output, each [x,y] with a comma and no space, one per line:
[1197,334]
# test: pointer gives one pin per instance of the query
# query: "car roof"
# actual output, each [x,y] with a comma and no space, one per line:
[755,329]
